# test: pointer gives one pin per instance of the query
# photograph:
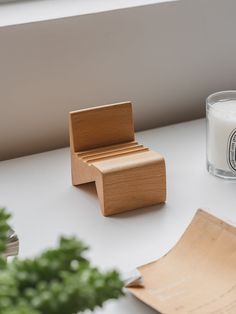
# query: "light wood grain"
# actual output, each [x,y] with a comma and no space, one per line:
[102,126]
[197,275]
[127,174]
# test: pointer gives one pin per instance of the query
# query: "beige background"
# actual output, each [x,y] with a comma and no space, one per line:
[165,58]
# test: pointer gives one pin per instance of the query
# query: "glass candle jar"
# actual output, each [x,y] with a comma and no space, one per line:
[221,134]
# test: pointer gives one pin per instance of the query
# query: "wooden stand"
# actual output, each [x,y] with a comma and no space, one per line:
[127,175]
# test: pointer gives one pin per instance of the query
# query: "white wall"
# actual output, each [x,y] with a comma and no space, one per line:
[165,58]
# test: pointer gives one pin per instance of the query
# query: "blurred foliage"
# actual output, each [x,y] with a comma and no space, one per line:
[59,281]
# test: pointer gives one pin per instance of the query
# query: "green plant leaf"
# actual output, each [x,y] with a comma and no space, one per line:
[58,281]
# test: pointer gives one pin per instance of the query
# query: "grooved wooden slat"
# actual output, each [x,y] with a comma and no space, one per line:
[108,149]
[118,154]
[112,152]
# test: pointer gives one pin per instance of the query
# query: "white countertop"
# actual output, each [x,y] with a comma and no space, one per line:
[37,190]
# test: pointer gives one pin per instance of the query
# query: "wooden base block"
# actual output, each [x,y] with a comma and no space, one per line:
[134,188]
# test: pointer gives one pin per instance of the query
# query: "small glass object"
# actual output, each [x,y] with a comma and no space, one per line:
[221,134]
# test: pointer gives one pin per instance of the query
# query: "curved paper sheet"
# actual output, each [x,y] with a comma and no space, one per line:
[198,276]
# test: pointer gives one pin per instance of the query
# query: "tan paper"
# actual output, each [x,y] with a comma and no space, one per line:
[198,276]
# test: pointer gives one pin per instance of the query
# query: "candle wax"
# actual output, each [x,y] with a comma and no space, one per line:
[222,135]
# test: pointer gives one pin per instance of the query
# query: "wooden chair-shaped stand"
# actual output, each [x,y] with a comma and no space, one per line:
[103,149]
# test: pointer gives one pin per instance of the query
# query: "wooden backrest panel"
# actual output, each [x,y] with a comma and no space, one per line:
[101,126]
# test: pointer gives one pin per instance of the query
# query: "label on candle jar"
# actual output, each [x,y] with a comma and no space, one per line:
[232,151]
[221,140]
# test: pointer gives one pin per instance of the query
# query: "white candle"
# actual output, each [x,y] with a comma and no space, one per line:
[221,140]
